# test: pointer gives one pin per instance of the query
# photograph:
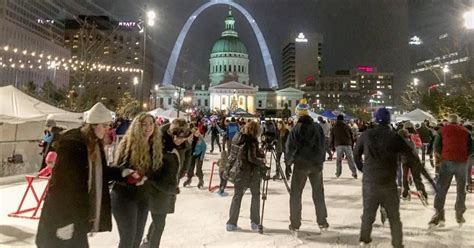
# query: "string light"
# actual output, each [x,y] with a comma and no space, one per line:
[67,64]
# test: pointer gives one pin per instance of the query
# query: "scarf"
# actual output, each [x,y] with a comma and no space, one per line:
[95,189]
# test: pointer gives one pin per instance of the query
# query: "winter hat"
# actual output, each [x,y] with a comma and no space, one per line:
[382,116]
[98,114]
[50,123]
[340,117]
[302,108]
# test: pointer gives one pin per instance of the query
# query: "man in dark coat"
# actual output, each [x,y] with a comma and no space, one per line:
[305,148]
[427,137]
[70,208]
[342,141]
[381,148]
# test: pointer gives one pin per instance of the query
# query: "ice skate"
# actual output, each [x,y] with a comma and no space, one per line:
[406,196]
[460,220]
[294,231]
[437,220]
[201,183]
[363,244]
[324,227]
[187,182]
[423,198]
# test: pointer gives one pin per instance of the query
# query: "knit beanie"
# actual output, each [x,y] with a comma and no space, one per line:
[302,108]
[382,116]
[98,114]
[50,123]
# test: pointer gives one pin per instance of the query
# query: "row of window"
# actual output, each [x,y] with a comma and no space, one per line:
[228,68]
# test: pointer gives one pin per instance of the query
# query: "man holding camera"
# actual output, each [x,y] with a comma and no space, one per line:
[305,148]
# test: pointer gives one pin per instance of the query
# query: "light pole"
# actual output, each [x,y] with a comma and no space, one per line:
[150,15]
[135,83]
[156,94]
[445,70]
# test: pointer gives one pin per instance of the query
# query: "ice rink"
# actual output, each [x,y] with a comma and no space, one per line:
[200,217]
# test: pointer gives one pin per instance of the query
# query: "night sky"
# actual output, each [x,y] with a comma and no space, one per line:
[356,32]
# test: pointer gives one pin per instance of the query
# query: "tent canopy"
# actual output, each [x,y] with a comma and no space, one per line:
[329,115]
[171,114]
[240,113]
[417,115]
[17,107]
[156,112]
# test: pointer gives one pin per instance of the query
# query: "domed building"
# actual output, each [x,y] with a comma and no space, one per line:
[229,60]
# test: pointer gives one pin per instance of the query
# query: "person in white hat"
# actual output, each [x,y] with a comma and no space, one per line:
[78,200]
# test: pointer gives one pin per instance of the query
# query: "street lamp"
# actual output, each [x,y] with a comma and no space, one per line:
[445,70]
[135,83]
[469,19]
[156,94]
[150,15]
[415,81]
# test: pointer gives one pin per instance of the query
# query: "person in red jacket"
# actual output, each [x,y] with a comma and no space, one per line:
[452,145]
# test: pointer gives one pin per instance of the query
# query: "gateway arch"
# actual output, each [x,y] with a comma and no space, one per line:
[270,70]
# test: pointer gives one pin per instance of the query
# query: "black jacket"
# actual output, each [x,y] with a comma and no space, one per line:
[341,135]
[67,201]
[426,135]
[381,148]
[305,145]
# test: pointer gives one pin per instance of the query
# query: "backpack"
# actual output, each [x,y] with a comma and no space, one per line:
[415,138]
[234,163]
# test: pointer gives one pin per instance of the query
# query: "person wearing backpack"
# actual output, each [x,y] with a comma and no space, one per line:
[305,148]
[250,163]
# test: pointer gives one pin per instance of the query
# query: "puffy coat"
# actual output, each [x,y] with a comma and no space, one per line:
[251,161]
[341,135]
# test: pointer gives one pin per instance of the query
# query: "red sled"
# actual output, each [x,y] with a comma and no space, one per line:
[213,188]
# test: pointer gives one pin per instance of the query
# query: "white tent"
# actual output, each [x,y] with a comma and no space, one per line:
[17,107]
[416,116]
[22,120]
[171,114]
[156,112]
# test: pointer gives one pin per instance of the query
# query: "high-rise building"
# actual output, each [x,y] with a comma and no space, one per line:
[441,49]
[31,41]
[302,60]
[112,52]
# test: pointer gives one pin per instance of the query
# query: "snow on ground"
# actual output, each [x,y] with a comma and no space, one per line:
[200,217]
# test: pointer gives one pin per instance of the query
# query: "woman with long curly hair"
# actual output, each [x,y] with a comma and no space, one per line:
[139,151]
[78,199]
[252,162]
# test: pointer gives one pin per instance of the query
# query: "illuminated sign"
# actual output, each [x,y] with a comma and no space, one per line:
[301,38]
[44,21]
[127,24]
[415,40]
[308,78]
[365,68]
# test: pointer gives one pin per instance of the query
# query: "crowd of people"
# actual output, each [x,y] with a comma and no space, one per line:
[150,157]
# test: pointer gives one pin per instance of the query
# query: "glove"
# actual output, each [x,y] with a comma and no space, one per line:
[66,232]
[135,178]
[142,181]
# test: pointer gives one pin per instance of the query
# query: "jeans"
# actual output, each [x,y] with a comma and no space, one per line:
[447,170]
[239,191]
[298,181]
[130,215]
[215,138]
[425,151]
[347,151]
[196,162]
[156,229]
[387,197]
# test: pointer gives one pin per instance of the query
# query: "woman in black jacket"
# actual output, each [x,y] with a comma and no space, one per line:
[251,162]
[78,200]
[164,182]
[140,151]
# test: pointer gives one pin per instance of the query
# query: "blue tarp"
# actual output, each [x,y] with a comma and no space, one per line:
[329,114]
